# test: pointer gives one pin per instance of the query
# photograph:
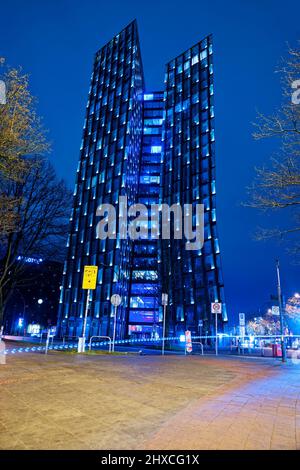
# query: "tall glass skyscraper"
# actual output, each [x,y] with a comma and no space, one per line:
[153,148]
[192,278]
[144,306]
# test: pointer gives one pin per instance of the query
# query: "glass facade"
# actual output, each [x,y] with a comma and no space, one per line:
[145,293]
[153,148]
[108,168]
[192,278]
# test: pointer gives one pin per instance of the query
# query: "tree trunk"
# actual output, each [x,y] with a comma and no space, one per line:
[2,307]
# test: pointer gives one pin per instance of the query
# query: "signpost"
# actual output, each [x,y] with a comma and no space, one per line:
[47,341]
[90,277]
[275,310]
[216,308]
[242,329]
[164,302]
[242,319]
[89,283]
[115,301]
[188,342]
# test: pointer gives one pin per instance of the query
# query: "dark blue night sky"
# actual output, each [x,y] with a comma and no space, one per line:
[55,41]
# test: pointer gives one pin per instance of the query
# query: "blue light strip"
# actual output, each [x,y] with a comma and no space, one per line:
[74,345]
[129,341]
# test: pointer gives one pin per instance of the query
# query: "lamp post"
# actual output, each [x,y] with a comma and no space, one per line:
[283,352]
[164,301]
[2,85]
[115,300]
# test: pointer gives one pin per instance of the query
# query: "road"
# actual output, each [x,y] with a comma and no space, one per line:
[63,401]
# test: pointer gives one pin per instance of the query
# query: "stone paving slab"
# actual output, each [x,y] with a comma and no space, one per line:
[63,401]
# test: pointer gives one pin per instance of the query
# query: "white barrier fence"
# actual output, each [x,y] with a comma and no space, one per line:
[259,345]
[100,337]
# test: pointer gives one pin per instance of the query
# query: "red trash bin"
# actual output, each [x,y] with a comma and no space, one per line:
[276,349]
[279,350]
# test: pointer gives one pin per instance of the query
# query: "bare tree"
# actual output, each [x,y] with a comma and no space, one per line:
[21,135]
[277,186]
[263,326]
[292,308]
[43,205]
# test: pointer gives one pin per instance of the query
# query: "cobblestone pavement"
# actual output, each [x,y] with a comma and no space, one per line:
[63,401]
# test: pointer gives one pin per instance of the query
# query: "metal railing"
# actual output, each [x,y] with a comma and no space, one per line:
[254,345]
[198,343]
[258,345]
[45,334]
[101,337]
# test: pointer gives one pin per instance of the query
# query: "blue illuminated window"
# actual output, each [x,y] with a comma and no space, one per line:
[151,130]
[156,149]
[203,54]
[153,122]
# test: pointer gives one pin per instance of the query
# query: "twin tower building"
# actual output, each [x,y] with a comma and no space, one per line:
[147,148]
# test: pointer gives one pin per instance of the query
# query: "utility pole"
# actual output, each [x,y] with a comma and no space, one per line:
[280,312]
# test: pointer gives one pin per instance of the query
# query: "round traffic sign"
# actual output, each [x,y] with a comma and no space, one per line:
[116,300]
[216,307]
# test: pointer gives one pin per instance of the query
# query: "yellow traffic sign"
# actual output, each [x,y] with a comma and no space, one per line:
[90,277]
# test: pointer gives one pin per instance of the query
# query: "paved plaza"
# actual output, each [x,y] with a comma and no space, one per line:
[64,401]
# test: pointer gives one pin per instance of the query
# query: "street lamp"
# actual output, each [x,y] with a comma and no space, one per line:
[164,301]
[3,91]
[280,312]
